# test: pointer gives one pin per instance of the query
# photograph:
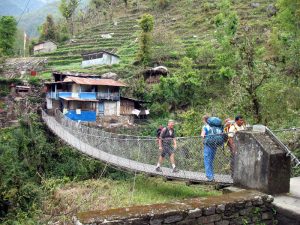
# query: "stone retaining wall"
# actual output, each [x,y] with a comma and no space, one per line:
[245,207]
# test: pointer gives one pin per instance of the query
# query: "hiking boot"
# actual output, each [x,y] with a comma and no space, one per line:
[158,169]
[175,170]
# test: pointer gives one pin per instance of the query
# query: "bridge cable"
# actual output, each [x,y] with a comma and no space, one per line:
[23,12]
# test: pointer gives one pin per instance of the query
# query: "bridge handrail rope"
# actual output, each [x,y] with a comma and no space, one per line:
[102,132]
[119,136]
[287,129]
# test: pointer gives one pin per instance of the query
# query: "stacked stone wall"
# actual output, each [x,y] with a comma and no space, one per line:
[246,207]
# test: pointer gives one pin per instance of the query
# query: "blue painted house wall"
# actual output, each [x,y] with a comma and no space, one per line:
[65,94]
[88,116]
[87,95]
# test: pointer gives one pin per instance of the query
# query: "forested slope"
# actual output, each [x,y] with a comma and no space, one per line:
[225,58]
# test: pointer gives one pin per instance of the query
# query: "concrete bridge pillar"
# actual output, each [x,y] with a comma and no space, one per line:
[261,163]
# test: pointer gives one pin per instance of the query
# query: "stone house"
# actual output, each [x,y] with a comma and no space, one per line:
[44,47]
[99,58]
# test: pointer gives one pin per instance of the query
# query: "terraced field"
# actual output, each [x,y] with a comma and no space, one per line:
[192,22]
[124,34]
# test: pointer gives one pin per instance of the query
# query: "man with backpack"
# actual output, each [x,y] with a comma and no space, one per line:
[213,137]
[158,131]
[238,125]
[166,138]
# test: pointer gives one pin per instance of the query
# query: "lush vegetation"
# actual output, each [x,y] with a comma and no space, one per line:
[36,172]
[8,29]
[224,58]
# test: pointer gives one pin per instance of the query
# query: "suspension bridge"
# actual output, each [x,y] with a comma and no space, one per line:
[140,153]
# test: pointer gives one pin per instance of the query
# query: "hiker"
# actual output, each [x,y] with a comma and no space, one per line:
[238,125]
[227,124]
[167,136]
[212,134]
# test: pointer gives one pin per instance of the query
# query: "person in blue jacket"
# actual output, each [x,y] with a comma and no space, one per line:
[212,134]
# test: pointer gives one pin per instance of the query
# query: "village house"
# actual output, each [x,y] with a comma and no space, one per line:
[19,90]
[152,75]
[84,98]
[89,98]
[44,47]
[99,58]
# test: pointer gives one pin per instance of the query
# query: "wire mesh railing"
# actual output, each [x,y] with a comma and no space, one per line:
[289,138]
[194,159]
[140,153]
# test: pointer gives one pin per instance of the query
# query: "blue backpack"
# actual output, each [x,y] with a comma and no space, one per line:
[215,135]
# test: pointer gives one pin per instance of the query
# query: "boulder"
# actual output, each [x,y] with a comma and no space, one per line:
[106,36]
[271,10]
[254,4]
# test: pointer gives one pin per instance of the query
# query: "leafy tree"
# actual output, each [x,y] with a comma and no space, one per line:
[253,73]
[180,90]
[28,156]
[147,24]
[2,60]
[98,4]
[33,42]
[287,32]
[67,9]
[226,23]
[48,30]
[62,32]
[8,29]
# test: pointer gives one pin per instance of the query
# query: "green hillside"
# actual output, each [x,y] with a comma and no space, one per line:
[185,37]
[188,23]
[224,58]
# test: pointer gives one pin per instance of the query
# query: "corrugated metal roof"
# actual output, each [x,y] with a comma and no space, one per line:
[42,42]
[78,99]
[23,87]
[75,74]
[57,82]
[91,81]
[100,51]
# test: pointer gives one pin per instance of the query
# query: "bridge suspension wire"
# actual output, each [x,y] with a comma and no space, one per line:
[140,153]
[26,5]
[287,129]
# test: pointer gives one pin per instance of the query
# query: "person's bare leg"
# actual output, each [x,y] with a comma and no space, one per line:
[172,159]
[160,160]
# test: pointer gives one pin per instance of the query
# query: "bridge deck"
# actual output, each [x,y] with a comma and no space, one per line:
[126,164]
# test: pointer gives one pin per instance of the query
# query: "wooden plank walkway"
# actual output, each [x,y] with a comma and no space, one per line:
[124,163]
